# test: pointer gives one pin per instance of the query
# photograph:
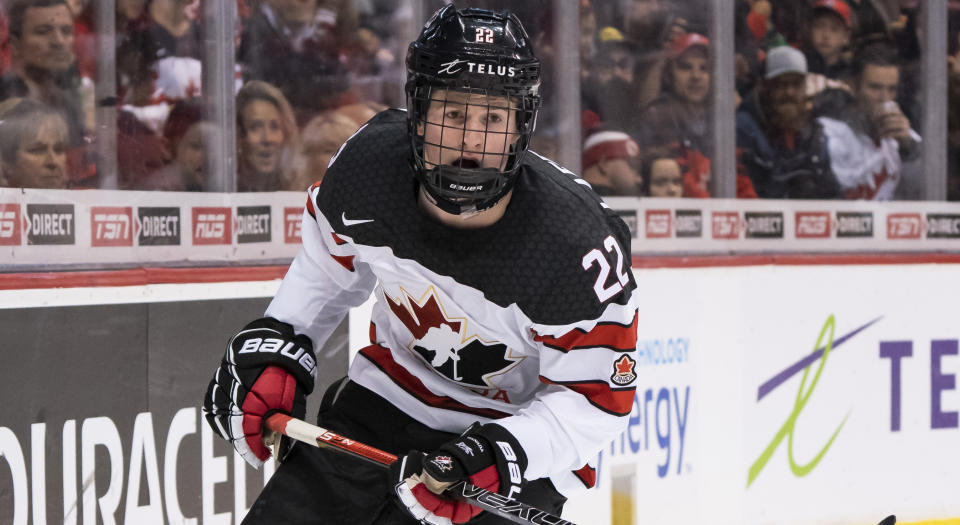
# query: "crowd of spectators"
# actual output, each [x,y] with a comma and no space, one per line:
[316,69]
[827,92]
[827,96]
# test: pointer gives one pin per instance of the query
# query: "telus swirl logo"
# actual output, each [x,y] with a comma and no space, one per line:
[822,349]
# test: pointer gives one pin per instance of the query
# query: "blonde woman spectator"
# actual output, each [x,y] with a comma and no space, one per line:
[33,145]
[322,137]
[267,138]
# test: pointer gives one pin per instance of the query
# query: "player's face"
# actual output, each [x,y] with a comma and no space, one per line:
[829,35]
[691,75]
[262,138]
[46,40]
[41,161]
[468,130]
[665,179]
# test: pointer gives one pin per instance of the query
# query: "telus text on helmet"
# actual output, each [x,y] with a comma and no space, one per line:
[456,65]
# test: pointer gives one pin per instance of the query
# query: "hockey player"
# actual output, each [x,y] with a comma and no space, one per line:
[503,336]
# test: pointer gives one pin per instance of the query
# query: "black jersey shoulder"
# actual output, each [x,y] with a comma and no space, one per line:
[534,256]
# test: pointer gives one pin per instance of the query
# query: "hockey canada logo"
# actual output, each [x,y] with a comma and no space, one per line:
[447,343]
[623,371]
[443,463]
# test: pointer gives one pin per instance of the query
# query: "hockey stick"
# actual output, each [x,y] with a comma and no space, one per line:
[492,502]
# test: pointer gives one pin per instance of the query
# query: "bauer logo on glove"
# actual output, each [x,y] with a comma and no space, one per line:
[286,349]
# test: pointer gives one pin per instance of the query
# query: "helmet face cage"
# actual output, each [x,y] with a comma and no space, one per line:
[471,107]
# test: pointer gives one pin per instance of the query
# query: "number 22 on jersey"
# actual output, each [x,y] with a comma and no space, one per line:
[596,257]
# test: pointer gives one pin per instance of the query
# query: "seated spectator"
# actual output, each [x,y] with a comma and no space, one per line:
[662,174]
[830,35]
[289,45]
[131,17]
[611,163]
[172,43]
[33,145]
[267,139]
[185,137]
[680,115]
[782,149]
[608,89]
[43,66]
[173,31]
[868,135]
[138,94]
[322,138]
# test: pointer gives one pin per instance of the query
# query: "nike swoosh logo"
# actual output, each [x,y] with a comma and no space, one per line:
[353,222]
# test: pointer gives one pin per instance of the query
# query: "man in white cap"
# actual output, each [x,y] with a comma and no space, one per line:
[782,150]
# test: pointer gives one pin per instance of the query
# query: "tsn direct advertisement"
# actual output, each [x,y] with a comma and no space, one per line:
[61,227]
[767,393]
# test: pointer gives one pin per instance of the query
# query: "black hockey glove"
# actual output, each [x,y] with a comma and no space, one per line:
[487,456]
[266,368]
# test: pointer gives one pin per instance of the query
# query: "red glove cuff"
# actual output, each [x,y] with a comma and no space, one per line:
[274,390]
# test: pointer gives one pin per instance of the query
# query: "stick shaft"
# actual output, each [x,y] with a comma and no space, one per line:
[489,501]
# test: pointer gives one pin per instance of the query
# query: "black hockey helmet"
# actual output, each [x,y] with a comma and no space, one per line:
[483,54]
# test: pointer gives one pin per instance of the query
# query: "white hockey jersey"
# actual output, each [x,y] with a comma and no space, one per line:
[531,322]
[865,169]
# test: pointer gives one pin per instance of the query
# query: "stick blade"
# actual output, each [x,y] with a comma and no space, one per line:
[889,520]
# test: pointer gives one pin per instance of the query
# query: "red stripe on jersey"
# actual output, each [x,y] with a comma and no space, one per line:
[373,333]
[380,356]
[310,208]
[338,239]
[345,260]
[622,338]
[588,475]
[618,401]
